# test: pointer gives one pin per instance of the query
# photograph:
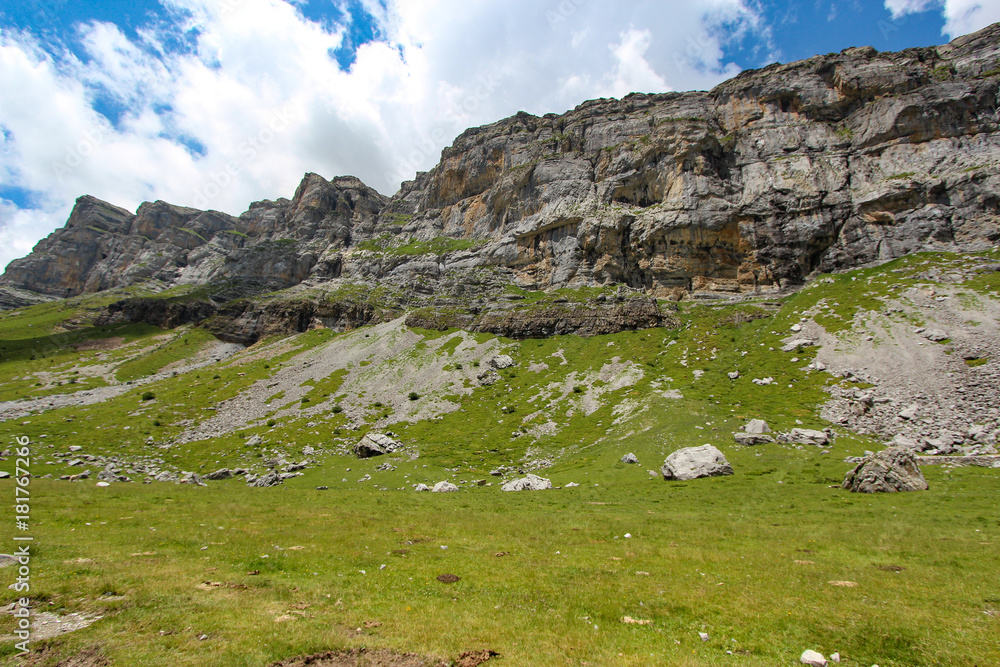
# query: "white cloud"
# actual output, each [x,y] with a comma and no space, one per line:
[961,16]
[260,100]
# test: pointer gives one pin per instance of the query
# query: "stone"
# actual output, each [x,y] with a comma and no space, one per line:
[529,483]
[444,487]
[813,659]
[891,470]
[695,462]
[756,426]
[421,487]
[375,444]
[501,361]
[808,436]
[796,343]
[221,473]
[272,478]
[629,458]
[750,439]
[192,478]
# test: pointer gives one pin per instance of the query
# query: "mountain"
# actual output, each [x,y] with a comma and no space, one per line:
[824,164]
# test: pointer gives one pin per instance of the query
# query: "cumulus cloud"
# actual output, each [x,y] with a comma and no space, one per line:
[961,16]
[256,98]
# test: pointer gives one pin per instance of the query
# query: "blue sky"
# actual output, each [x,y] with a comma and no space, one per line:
[217,103]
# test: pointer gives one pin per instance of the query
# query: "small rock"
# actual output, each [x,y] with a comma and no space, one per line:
[810,657]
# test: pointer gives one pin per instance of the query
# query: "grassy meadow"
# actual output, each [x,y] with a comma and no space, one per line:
[624,569]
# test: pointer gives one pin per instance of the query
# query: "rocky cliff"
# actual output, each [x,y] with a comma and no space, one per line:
[818,165]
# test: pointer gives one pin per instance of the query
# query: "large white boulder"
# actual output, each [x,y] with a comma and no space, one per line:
[695,462]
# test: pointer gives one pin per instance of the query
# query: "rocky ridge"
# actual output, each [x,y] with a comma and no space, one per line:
[818,165]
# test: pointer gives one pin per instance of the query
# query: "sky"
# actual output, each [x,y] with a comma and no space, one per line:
[219,103]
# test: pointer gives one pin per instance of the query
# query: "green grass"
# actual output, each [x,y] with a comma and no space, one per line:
[181,346]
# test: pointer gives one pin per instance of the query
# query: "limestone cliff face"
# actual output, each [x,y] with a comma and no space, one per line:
[821,164]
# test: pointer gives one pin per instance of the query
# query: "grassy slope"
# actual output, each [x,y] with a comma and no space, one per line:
[720,554]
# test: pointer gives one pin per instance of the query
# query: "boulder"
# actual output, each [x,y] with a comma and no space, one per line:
[808,436]
[444,487]
[375,444]
[221,473]
[529,483]
[501,361]
[695,462]
[748,439]
[796,343]
[893,469]
[630,458]
[756,426]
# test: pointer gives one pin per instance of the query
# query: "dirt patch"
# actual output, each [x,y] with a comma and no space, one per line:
[473,658]
[99,344]
[360,657]
[89,657]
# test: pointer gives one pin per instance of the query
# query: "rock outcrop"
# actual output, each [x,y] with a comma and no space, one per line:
[822,164]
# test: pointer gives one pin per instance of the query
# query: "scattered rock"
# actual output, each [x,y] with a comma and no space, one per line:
[529,483]
[893,469]
[629,458]
[444,487]
[270,479]
[695,462]
[375,444]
